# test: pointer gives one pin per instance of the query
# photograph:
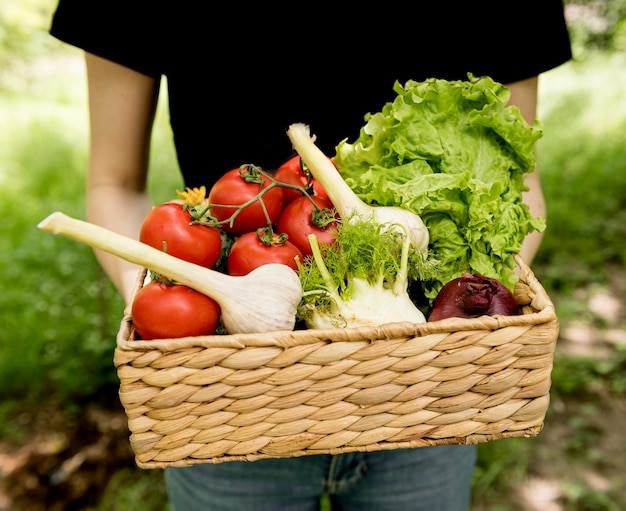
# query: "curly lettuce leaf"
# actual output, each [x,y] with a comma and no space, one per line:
[454,153]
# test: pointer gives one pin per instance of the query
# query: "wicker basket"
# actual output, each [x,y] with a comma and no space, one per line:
[285,394]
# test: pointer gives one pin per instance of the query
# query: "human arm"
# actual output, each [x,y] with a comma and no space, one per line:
[122,105]
[524,95]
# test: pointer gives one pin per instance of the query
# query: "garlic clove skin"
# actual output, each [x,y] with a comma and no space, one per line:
[277,291]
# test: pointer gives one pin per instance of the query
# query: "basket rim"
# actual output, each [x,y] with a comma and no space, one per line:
[287,338]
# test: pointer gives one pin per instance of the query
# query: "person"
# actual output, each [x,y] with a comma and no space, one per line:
[236,78]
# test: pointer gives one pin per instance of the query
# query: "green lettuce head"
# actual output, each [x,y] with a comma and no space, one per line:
[454,153]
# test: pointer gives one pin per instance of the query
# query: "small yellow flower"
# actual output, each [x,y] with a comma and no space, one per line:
[193,196]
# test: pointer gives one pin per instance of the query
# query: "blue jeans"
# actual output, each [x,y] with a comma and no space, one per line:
[425,479]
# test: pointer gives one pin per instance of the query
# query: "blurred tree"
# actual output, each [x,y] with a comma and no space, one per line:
[596,25]
[23,36]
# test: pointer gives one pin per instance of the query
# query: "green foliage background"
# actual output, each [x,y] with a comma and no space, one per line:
[59,314]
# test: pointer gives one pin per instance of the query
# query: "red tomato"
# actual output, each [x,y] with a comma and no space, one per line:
[168,228]
[297,221]
[168,311]
[237,187]
[291,173]
[252,250]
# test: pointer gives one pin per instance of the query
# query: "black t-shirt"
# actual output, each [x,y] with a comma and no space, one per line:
[238,76]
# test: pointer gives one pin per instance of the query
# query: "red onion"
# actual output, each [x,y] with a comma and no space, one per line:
[471,296]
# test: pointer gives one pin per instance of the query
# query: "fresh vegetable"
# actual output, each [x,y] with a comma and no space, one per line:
[454,153]
[309,215]
[264,300]
[360,280]
[347,203]
[164,310]
[471,296]
[254,249]
[170,227]
[294,172]
[243,200]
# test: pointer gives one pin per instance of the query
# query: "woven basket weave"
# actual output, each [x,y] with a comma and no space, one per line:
[285,394]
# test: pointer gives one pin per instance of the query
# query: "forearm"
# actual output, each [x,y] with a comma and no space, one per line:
[120,210]
[524,96]
[535,200]
[122,104]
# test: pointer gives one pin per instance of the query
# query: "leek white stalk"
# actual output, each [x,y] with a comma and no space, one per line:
[345,201]
[264,300]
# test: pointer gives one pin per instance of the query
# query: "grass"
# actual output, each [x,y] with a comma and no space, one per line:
[59,314]
[582,165]
[128,487]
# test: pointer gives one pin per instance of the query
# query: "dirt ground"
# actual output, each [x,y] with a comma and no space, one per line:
[65,462]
